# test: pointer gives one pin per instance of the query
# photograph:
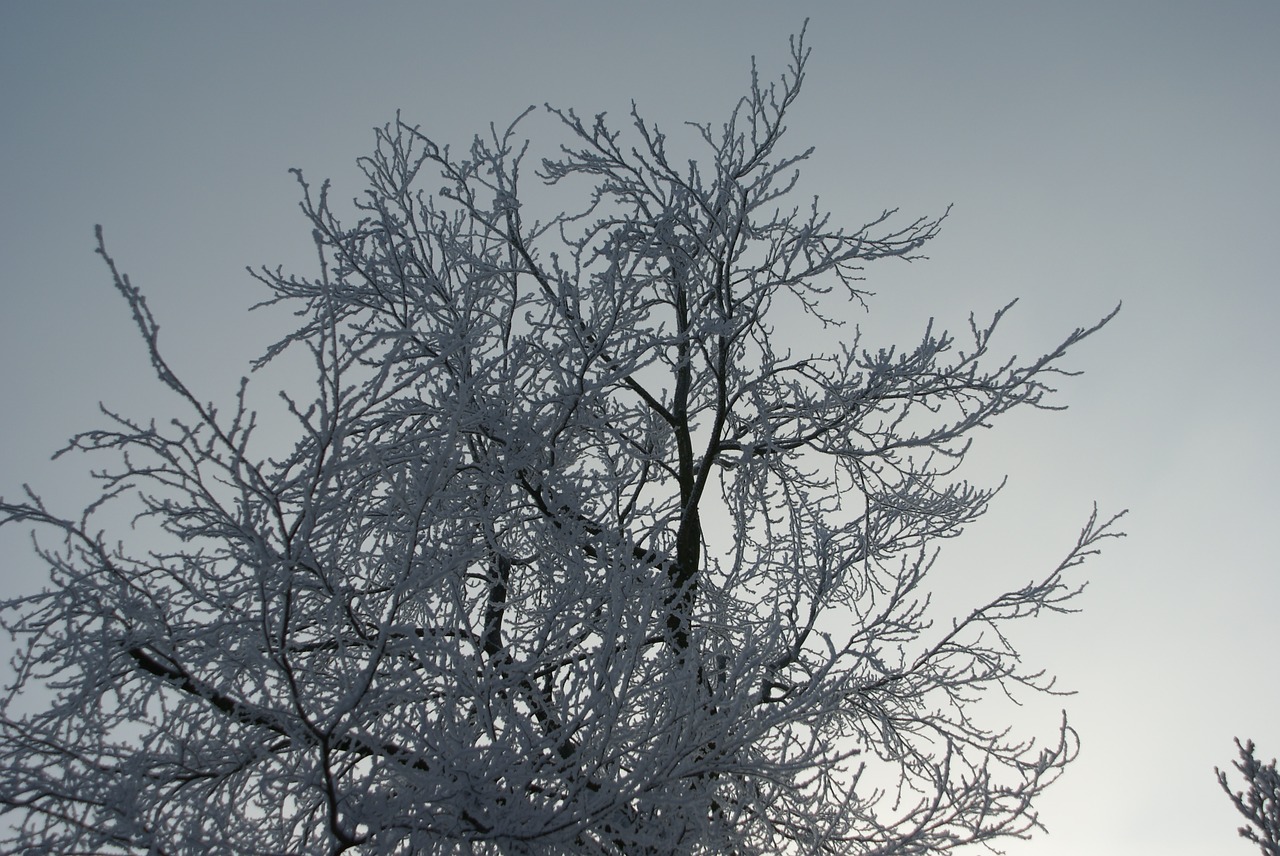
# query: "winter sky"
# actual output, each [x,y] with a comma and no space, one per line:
[1095,152]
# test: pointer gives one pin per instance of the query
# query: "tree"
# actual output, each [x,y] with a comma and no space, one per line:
[569,553]
[1260,805]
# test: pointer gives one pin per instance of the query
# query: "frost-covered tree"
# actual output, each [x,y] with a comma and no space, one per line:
[568,554]
[1260,802]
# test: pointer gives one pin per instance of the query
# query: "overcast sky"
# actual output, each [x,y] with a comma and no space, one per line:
[1095,152]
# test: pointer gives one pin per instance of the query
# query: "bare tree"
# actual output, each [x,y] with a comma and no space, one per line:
[570,555]
[1260,803]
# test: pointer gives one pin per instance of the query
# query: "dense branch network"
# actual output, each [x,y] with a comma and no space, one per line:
[569,555]
[1259,803]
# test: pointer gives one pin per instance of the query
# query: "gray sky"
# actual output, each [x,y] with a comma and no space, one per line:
[1095,152]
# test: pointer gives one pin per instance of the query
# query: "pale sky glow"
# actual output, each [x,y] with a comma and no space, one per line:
[1095,152]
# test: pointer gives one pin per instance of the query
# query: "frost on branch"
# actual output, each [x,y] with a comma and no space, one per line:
[1259,804]
[569,554]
